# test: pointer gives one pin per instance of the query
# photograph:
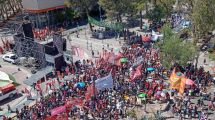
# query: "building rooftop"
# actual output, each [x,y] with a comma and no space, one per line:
[38,6]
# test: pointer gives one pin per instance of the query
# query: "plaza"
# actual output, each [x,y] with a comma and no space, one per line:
[104,65]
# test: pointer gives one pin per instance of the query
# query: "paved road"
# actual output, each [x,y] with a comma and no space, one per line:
[87,43]
[20,76]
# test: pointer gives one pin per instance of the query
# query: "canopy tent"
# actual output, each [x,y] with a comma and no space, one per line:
[4,76]
[114,26]
[4,79]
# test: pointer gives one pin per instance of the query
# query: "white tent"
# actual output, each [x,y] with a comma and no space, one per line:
[4,76]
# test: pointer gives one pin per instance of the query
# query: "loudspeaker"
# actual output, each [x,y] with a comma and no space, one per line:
[27,29]
[64,44]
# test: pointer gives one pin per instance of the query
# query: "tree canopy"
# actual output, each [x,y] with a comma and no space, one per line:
[173,49]
[115,8]
[81,5]
[203,17]
[201,13]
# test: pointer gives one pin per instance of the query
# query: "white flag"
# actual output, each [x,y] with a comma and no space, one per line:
[105,82]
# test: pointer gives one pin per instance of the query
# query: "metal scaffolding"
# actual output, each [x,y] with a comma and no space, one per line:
[27,47]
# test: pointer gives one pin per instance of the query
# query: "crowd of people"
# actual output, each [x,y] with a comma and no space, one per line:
[139,72]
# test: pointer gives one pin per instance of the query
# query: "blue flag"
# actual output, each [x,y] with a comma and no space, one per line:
[105,82]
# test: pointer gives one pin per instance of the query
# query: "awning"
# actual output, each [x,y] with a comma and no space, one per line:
[114,26]
[45,10]
[40,74]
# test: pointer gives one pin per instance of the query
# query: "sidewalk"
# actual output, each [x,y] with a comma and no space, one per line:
[208,65]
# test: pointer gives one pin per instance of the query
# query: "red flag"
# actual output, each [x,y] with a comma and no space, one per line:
[90,92]
[7,44]
[1,50]
[117,59]
[27,91]
[146,38]
[38,87]
[119,55]
[113,71]
[117,62]
[3,42]
[73,70]
[136,73]
[34,117]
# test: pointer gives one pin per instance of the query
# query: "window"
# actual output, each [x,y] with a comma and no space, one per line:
[14,57]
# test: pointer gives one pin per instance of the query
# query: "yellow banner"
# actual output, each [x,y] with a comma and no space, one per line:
[177,82]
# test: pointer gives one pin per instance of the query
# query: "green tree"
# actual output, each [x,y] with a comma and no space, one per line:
[173,49]
[116,8]
[156,14]
[139,6]
[167,6]
[82,6]
[203,18]
[212,56]
[161,9]
[71,13]
[201,13]
[9,5]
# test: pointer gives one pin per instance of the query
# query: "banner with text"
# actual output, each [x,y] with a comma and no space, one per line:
[105,82]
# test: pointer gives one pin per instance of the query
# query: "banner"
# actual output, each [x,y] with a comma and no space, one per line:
[182,85]
[137,73]
[77,51]
[105,82]
[114,26]
[74,101]
[90,92]
[62,116]
[177,82]
[58,110]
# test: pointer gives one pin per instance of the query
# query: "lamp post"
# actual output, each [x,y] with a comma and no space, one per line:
[100,13]
[86,37]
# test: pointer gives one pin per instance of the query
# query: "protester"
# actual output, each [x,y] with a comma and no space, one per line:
[138,77]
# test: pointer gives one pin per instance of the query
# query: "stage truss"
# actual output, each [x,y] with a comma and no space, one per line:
[27,47]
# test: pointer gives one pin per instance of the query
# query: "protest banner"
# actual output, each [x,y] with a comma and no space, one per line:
[105,82]
[58,110]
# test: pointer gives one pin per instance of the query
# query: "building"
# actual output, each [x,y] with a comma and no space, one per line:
[43,12]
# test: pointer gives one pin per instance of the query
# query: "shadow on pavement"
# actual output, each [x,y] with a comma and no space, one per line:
[7,100]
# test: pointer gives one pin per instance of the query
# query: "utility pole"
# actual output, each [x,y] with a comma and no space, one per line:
[86,37]
[100,13]
[91,46]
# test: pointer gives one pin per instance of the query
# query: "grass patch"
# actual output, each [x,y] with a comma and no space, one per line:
[212,56]
[14,80]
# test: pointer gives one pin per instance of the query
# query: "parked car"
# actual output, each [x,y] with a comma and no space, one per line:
[10,57]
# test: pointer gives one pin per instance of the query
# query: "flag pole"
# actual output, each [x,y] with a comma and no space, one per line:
[94,92]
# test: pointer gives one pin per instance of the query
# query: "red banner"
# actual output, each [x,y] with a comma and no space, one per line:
[74,101]
[58,110]
[62,116]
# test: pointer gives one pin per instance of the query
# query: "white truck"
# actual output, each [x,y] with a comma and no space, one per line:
[9,92]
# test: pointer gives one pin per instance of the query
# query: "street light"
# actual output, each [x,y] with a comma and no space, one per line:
[86,37]
[100,13]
